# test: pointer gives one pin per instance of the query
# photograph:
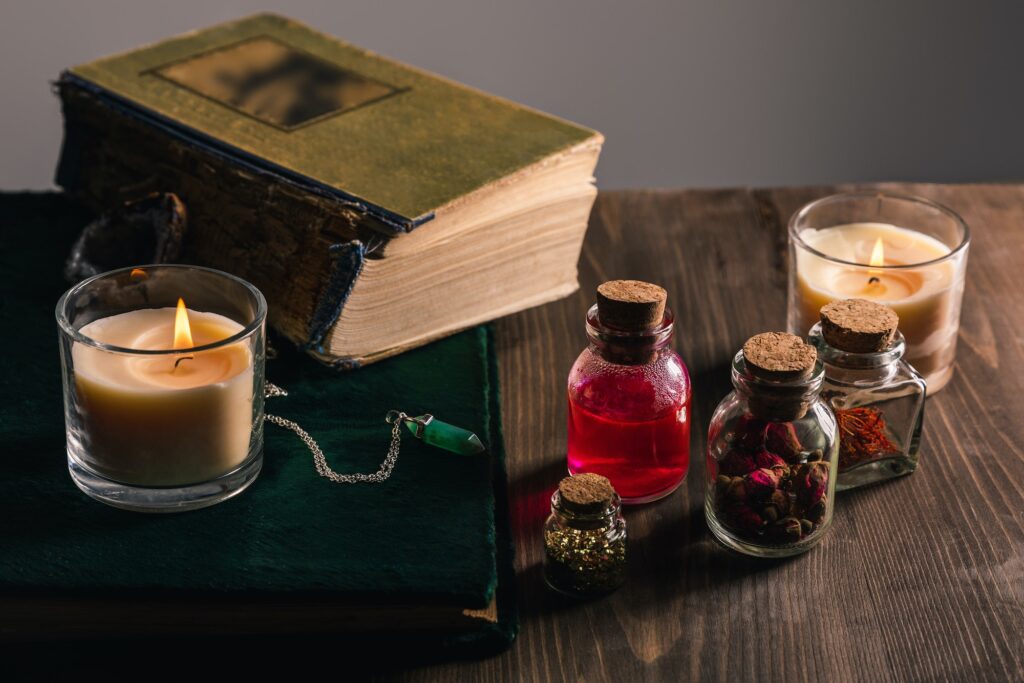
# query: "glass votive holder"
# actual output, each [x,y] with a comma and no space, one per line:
[907,252]
[163,373]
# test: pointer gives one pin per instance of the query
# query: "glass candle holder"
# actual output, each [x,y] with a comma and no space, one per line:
[163,374]
[906,252]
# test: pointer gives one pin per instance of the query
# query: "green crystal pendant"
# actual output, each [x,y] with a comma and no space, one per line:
[443,435]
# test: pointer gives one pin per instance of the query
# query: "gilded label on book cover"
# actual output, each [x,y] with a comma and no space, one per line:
[275,83]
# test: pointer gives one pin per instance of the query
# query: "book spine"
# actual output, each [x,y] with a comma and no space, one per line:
[348,264]
[304,251]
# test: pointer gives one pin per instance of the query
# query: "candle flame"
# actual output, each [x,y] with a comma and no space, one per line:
[877,254]
[874,273]
[182,331]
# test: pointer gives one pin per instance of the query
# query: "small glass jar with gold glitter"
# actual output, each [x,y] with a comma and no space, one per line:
[585,538]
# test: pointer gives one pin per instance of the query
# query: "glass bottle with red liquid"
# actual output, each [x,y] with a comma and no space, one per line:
[629,395]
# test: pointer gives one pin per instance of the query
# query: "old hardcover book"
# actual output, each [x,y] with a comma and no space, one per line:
[376,205]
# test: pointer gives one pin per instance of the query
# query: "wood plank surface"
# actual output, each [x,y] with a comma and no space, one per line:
[920,579]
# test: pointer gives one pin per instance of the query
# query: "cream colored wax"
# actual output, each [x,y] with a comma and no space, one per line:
[923,298]
[147,422]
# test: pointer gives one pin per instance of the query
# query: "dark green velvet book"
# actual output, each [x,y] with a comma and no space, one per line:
[425,554]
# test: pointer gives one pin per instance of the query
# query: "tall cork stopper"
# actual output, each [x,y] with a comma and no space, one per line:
[858,325]
[779,356]
[631,305]
[783,361]
[586,493]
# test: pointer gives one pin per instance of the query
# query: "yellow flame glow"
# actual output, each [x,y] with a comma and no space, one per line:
[878,254]
[182,331]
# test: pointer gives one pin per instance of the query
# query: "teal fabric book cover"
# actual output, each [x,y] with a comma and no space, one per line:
[425,551]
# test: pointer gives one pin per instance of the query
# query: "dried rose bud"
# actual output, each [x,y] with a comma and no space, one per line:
[764,458]
[810,487]
[722,482]
[819,473]
[817,455]
[749,432]
[801,482]
[807,526]
[787,530]
[761,483]
[780,499]
[737,489]
[777,506]
[780,439]
[744,518]
[737,462]
[780,468]
[816,512]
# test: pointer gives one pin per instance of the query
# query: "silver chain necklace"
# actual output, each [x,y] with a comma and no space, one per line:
[396,419]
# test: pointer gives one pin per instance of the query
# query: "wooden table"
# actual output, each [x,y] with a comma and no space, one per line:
[919,579]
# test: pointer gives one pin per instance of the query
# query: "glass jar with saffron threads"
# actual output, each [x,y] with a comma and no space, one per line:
[772,451]
[877,397]
[585,538]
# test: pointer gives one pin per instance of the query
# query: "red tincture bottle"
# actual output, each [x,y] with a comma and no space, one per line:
[629,395]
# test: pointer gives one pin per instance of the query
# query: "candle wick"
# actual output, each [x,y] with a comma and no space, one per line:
[181,359]
[873,280]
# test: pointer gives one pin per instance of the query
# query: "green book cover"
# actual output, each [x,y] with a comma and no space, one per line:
[294,552]
[402,141]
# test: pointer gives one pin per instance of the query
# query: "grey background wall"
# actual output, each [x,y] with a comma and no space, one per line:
[688,93]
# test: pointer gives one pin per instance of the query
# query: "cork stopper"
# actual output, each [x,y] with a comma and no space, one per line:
[586,492]
[631,305]
[858,325]
[783,360]
[779,356]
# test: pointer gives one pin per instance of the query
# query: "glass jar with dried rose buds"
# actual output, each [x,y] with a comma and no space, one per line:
[585,538]
[878,399]
[772,451]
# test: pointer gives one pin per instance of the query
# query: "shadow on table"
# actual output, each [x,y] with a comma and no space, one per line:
[671,550]
[291,657]
[678,557]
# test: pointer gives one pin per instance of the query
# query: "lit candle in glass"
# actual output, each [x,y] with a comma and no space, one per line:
[906,252]
[170,419]
[163,404]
